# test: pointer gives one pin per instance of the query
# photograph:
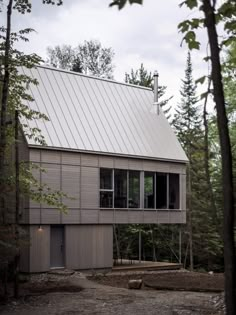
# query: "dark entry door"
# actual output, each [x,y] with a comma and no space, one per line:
[57,246]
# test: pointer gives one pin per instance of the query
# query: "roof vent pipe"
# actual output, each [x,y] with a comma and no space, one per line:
[155,76]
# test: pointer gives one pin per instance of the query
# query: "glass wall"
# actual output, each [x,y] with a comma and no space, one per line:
[134,189]
[122,189]
[120,181]
[149,183]
[161,190]
[106,188]
[174,191]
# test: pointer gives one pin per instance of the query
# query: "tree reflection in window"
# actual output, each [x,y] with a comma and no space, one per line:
[149,180]
[120,182]
[134,189]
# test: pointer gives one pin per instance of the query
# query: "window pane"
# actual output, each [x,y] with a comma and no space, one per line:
[173,191]
[161,191]
[134,189]
[106,199]
[105,178]
[149,190]
[120,189]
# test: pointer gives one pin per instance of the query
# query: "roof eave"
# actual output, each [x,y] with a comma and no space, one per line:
[40,147]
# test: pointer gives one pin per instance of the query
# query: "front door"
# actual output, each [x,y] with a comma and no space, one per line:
[57,247]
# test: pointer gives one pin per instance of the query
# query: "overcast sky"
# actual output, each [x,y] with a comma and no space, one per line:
[145,34]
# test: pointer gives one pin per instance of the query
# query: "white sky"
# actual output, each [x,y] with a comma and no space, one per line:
[145,34]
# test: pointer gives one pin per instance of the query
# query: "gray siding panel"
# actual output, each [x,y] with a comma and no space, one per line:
[89,187]
[122,163]
[70,179]
[72,216]
[50,156]
[89,246]
[39,249]
[50,216]
[89,160]
[106,162]
[89,216]
[70,158]
[35,155]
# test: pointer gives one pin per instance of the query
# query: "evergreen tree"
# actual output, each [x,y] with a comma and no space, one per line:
[144,78]
[187,124]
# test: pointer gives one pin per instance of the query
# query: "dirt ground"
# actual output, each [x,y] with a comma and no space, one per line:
[106,294]
[187,281]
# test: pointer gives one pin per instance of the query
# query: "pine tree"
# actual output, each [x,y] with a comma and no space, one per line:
[144,78]
[187,124]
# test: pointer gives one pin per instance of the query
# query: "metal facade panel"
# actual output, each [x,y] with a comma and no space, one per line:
[89,187]
[72,216]
[51,177]
[70,184]
[89,216]
[105,161]
[34,155]
[121,163]
[39,248]
[70,158]
[50,216]
[89,160]
[50,156]
[96,252]
[88,113]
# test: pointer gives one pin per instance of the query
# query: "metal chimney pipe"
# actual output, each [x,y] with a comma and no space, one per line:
[156,76]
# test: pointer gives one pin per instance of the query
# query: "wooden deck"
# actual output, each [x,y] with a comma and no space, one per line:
[135,265]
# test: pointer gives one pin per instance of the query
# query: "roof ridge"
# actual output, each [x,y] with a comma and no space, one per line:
[93,77]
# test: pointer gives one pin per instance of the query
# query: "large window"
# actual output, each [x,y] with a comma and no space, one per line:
[119,188]
[122,189]
[161,190]
[149,183]
[134,189]
[106,188]
[173,191]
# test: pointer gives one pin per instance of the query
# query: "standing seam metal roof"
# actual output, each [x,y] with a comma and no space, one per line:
[93,114]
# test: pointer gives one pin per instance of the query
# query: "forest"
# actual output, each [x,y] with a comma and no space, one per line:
[204,124]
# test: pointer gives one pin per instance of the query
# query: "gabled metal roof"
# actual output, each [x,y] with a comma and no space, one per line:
[99,115]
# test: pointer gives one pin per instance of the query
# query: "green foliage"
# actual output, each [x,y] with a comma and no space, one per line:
[89,58]
[122,3]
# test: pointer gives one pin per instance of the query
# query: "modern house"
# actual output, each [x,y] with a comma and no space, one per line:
[109,147]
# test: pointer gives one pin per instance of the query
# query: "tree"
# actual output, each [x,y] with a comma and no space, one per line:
[212,15]
[13,86]
[88,58]
[143,78]
[187,123]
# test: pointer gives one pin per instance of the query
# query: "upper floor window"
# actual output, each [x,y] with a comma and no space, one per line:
[106,188]
[149,186]
[122,189]
[119,188]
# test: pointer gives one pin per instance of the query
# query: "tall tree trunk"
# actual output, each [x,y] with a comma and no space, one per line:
[17,188]
[206,162]
[190,226]
[3,108]
[226,159]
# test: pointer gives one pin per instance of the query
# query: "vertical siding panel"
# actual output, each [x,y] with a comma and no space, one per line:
[89,246]
[39,249]
[89,187]
[71,185]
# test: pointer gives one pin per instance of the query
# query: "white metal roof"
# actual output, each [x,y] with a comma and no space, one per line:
[99,115]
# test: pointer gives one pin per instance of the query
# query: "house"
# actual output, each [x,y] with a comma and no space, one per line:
[112,149]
